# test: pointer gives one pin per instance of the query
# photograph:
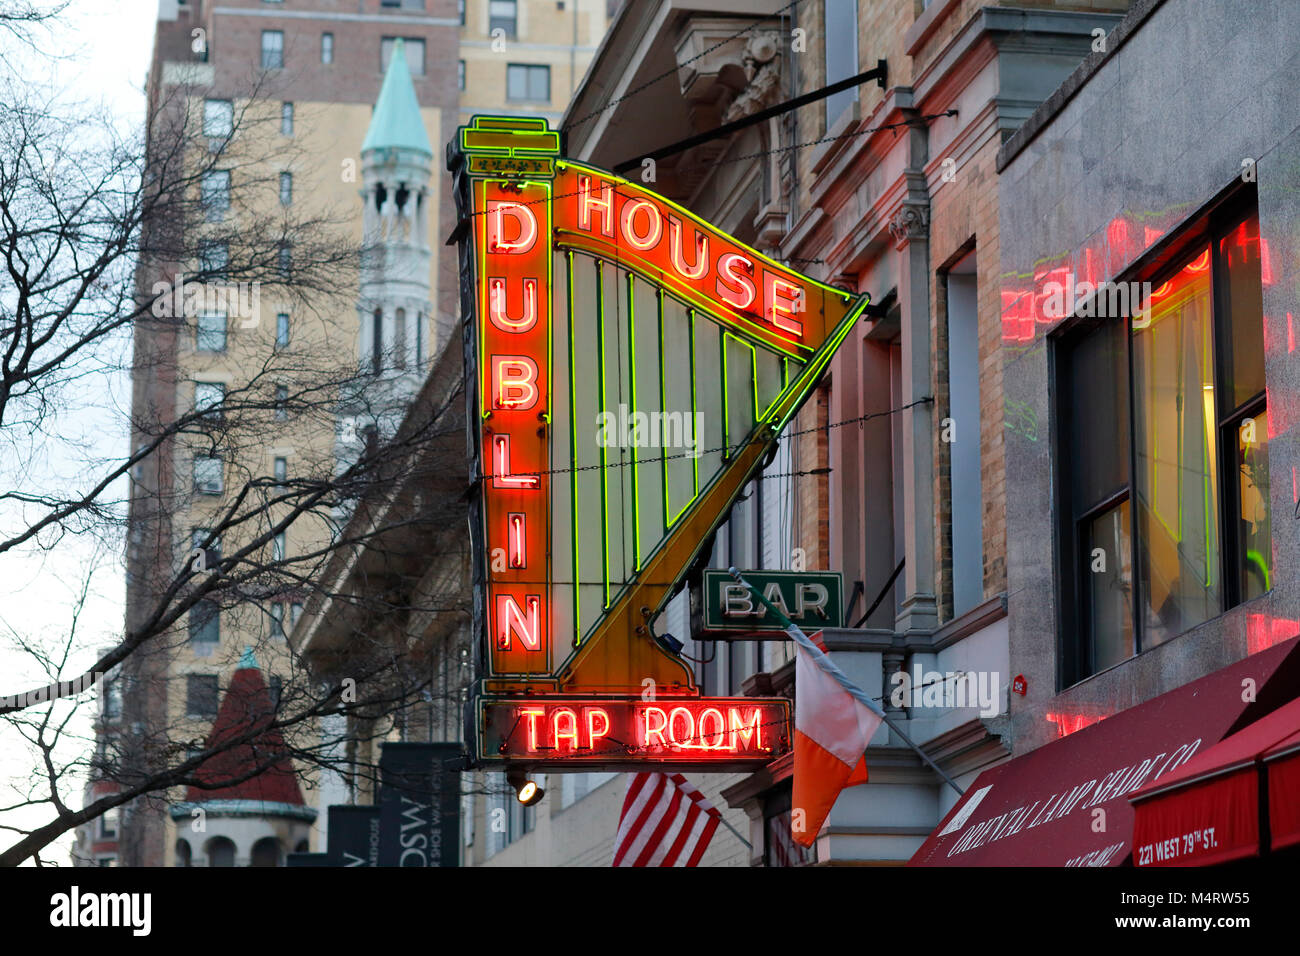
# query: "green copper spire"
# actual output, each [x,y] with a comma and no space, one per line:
[248,661]
[396,122]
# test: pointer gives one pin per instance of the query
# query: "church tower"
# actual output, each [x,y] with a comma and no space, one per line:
[395,343]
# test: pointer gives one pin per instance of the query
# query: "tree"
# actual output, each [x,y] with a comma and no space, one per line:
[116,251]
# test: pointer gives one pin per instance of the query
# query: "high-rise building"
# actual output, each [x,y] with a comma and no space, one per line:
[334,110]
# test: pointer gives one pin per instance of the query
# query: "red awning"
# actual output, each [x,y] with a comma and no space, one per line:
[1208,810]
[1282,763]
[1066,803]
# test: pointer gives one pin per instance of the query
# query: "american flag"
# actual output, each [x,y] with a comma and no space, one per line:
[665,822]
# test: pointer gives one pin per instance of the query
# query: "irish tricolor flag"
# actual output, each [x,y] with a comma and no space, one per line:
[831,731]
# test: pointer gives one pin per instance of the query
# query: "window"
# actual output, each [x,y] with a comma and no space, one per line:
[278,547]
[218,118]
[460,75]
[205,623]
[214,194]
[208,397]
[377,342]
[272,49]
[286,188]
[275,688]
[214,258]
[208,475]
[460,10]
[503,15]
[210,332]
[282,330]
[295,612]
[419,338]
[1165,484]
[108,823]
[281,470]
[528,82]
[327,48]
[403,4]
[285,264]
[841,55]
[414,53]
[399,339]
[201,696]
[281,403]
[962,443]
[112,709]
[277,620]
[286,119]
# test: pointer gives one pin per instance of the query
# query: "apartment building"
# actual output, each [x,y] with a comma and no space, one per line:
[294,92]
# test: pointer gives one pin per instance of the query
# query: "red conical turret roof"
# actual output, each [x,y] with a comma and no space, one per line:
[247,706]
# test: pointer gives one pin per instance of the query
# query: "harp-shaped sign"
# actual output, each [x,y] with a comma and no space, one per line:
[628,369]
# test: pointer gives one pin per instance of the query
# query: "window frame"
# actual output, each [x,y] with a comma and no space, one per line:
[275,52]
[221,480]
[1076,641]
[529,69]
[191,685]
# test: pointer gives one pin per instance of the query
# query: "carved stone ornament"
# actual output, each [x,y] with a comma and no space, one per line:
[911,221]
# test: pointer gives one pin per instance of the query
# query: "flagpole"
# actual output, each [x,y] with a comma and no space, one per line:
[829,666]
[723,821]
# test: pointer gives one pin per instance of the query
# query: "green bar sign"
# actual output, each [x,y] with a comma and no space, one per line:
[811,599]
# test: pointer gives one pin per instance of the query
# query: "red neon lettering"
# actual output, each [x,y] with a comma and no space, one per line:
[720,741]
[514,377]
[592,733]
[497,210]
[687,739]
[532,714]
[605,205]
[516,541]
[746,731]
[497,306]
[675,251]
[571,733]
[651,733]
[784,299]
[736,288]
[512,621]
[501,476]
[651,238]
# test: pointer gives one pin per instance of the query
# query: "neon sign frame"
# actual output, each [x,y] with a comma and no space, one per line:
[526,214]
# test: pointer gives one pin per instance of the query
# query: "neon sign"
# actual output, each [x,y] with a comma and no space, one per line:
[586,296]
[576,732]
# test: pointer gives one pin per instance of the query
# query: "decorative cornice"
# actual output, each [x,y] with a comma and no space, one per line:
[244,808]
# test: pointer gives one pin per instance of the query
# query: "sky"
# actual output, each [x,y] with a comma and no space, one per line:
[96,54]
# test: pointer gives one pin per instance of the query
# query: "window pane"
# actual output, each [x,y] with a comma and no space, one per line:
[286,119]
[208,397]
[282,329]
[1256,553]
[539,83]
[516,83]
[1107,563]
[841,54]
[272,49]
[210,333]
[327,48]
[218,118]
[1098,416]
[207,475]
[205,623]
[1242,329]
[1176,482]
